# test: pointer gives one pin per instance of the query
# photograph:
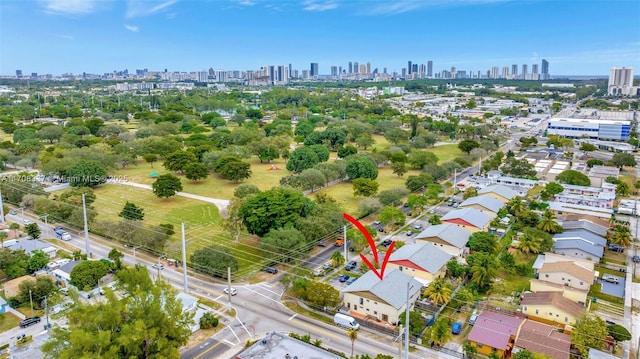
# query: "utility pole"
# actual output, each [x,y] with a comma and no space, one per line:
[1,208]
[46,310]
[86,227]
[406,321]
[344,236]
[184,261]
[400,341]
[46,224]
[31,301]
[229,286]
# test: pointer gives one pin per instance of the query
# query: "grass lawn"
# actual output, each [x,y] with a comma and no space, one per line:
[8,321]
[446,153]
[509,284]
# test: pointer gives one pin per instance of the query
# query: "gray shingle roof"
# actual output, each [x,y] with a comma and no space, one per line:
[27,245]
[469,215]
[586,225]
[485,201]
[596,251]
[582,234]
[503,191]
[392,289]
[428,257]
[448,232]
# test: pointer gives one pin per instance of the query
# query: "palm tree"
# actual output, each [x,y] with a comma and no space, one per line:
[528,244]
[438,292]
[516,205]
[3,236]
[548,223]
[483,268]
[353,335]
[620,235]
[14,227]
[337,259]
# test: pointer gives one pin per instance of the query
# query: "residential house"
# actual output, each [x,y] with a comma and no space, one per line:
[421,261]
[485,204]
[448,237]
[550,308]
[549,257]
[599,354]
[3,305]
[12,288]
[494,333]
[544,339]
[586,225]
[500,192]
[583,235]
[562,208]
[597,197]
[568,278]
[63,274]
[579,249]
[384,299]
[468,218]
[29,246]
[602,222]
[282,346]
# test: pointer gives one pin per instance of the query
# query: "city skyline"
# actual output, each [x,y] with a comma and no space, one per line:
[70,36]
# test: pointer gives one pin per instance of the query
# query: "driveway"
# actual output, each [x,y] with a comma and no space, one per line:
[612,288]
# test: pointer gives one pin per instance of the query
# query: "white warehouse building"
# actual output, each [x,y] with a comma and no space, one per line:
[615,130]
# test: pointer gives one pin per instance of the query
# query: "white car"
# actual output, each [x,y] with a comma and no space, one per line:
[609,278]
[158,266]
[26,221]
[233,291]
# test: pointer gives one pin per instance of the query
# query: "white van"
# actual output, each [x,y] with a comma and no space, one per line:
[346,321]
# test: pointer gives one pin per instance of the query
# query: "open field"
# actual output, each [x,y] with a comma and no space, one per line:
[8,321]
[446,153]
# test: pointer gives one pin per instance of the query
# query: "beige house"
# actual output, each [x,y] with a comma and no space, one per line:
[468,218]
[568,277]
[384,299]
[550,307]
[421,261]
[499,192]
[486,204]
[448,237]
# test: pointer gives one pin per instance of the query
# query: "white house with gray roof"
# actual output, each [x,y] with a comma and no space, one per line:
[29,246]
[468,218]
[448,237]
[422,261]
[499,192]
[578,248]
[384,299]
[581,234]
[484,203]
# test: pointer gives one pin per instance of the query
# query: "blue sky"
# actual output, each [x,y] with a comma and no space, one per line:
[96,36]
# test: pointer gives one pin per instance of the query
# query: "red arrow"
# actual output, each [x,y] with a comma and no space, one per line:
[372,245]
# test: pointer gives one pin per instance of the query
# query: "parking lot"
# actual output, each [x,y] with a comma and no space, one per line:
[613,288]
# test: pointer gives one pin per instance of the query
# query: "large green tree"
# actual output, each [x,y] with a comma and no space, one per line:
[519,168]
[468,145]
[589,331]
[132,212]
[87,274]
[274,208]
[361,166]
[86,173]
[301,159]
[147,322]
[573,177]
[284,245]
[214,260]
[33,230]
[364,187]
[392,216]
[166,186]
[484,242]
[624,159]
[179,160]
[196,171]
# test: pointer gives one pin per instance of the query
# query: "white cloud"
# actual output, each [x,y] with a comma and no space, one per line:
[132,28]
[392,7]
[246,2]
[138,8]
[69,7]
[315,5]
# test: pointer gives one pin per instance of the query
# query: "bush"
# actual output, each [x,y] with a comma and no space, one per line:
[4,346]
[208,321]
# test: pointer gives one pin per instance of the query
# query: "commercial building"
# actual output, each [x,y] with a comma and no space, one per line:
[590,123]
[621,82]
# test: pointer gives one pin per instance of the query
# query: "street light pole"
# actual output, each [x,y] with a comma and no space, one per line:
[406,322]
[86,228]
[1,208]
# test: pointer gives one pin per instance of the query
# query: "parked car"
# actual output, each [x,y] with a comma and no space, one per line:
[27,221]
[158,266]
[616,248]
[271,270]
[13,212]
[473,318]
[327,266]
[609,278]
[636,259]
[233,291]
[322,244]
[351,280]
[386,243]
[318,272]
[29,321]
[343,278]
[351,265]
[456,328]
[409,233]
[376,222]
[418,226]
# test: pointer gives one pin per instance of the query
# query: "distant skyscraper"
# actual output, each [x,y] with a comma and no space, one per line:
[202,76]
[429,69]
[305,74]
[19,74]
[494,72]
[334,71]
[290,69]
[414,69]
[368,67]
[350,67]
[514,70]
[355,67]
[34,75]
[409,67]
[534,69]
[313,71]
[479,74]
[524,71]
[363,69]
[505,72]
[404,72]
[545,69]
[621,81]
[453,72]
[384,70]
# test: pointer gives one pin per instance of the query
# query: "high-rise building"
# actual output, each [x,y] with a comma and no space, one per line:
[409,67]
[545,69]
[202,76]
[430,69]
[524,71]
[534,69]
[334,71]
[290,69]
[19,74]
[350,67]
[355,67]
[368,67]
[453,72]
[305,74]
[363,69]
[404,72]
[479,74]
[494,72]
[414,69]
[621,82]
[34,75]
[514,70]
[384,70]
[505,72]
[313,71]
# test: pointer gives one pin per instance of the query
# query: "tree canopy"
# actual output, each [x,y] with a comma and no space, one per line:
[573,177]
[214,260]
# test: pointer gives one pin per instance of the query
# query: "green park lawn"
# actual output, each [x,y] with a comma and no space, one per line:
[446,153]
[8,321]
